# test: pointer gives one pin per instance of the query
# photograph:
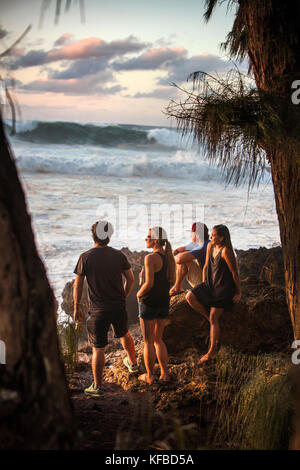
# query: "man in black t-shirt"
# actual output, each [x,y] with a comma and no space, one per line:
[103,268]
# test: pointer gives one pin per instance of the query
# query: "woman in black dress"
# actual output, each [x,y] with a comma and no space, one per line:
[221,286]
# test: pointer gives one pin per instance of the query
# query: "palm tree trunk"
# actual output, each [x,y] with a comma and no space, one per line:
[35,407]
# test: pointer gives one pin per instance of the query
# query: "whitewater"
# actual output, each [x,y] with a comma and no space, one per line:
[75,173]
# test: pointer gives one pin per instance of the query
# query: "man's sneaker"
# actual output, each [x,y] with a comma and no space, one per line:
[131,367]
[96,392]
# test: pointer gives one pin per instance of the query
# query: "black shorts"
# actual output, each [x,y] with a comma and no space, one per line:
[153,313]
[98,324]
[208,299]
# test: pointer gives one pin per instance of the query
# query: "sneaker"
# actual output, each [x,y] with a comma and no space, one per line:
[93,391]
[131,367]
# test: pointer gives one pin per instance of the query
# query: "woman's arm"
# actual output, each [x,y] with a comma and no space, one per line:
[149,276]
[206,262]
[181,249]
[229,257]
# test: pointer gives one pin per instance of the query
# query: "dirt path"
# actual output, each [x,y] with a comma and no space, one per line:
[132,415]
[100,418]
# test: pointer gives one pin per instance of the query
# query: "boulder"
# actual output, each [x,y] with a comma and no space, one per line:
[264,263]
[260,322]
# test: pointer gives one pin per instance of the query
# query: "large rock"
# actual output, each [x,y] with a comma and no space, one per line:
[265,263]
[259,323]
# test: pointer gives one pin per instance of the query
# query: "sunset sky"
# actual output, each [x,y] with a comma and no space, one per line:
[115,66]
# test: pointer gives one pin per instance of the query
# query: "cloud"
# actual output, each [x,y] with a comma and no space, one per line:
[31,59]
[17,51]
[152,59]
[81,68]
[89,66]
[160,93]
[65,38]
[85,48]
[90,85]
[180,69]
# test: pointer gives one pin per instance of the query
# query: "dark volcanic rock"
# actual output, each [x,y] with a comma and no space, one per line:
[264,263]
[259,323]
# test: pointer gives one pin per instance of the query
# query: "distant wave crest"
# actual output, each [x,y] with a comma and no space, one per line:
[106,135]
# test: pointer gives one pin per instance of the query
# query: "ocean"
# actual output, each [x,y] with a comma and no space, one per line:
[135,176]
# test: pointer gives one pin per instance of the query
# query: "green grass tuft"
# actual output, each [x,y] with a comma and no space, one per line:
[253,402]
[69,334]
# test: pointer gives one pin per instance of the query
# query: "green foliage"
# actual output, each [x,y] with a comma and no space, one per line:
[253,402]
[69,334]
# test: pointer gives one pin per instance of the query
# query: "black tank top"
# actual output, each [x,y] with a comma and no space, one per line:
[159,296]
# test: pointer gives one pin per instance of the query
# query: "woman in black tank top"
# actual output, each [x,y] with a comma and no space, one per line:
[154,300]
[221,286]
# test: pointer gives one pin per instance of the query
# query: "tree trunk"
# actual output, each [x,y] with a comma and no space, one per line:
[286,181]
[34,404]
[274,53]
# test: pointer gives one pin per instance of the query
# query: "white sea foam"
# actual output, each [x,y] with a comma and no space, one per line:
[114,162]
[23,126]
[170,138]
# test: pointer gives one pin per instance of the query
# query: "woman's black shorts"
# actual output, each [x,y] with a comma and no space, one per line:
[208,299]
[153,313]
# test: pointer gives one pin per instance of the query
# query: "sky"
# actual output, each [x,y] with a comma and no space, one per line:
[112,63]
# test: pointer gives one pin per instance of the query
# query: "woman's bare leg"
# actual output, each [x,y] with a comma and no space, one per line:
[161,349]
[195,304]
[215,314]
[147,327]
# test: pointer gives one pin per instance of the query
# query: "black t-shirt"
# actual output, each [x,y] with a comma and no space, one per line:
[103,268]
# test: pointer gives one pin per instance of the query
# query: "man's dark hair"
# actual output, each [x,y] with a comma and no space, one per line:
[101,232]
[202,230]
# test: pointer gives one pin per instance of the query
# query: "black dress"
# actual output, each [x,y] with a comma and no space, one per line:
[219,288]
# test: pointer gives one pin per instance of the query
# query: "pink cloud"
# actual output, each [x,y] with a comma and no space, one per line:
[165,52]
[85,48]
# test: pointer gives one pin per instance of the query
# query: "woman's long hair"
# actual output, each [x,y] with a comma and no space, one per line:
[158,233]
[223,231]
